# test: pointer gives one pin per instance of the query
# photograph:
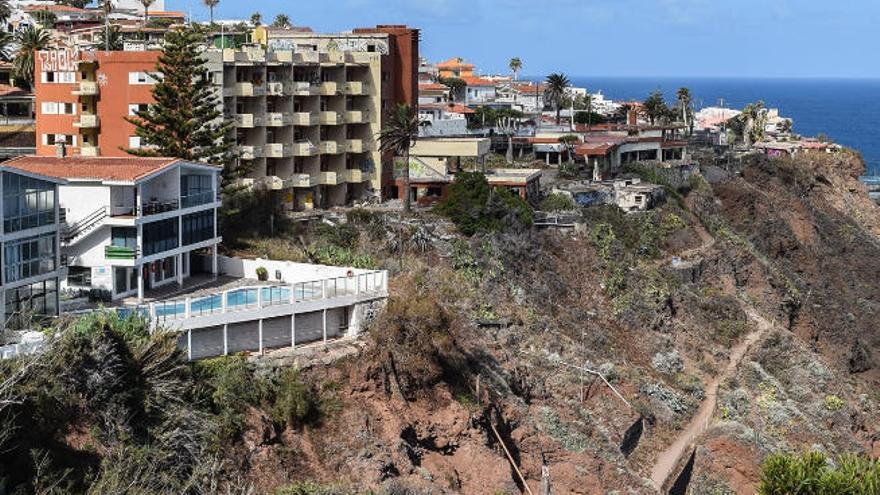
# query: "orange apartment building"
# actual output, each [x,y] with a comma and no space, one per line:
[82,99]
[455,67]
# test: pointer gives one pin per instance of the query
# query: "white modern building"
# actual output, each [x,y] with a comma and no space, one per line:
[133,224]
[30,259]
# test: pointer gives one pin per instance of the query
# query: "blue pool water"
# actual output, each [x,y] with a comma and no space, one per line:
[237,299]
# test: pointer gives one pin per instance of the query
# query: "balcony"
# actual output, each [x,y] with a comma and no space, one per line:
[280,56]
[304,148]
[310,57]
[247,120]
[157,207]
[303,88]
[354,88]
[86,150]
[87,88]
[87,121]
[332,58]
[356,117]
[245,56]
[273,183]
[250,152]
[278,150]
[329,88]
[244,89]
[275,89]
[277,119]
[198,199]
[298,180]
[328,147]
[353,175]
[331,118]
[121,252]
[355,146]
[328,178]
[304,119]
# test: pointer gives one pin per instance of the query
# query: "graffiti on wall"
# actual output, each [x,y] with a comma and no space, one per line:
[59,60]
[342,45]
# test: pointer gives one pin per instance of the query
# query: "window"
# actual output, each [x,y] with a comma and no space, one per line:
[53,139]
[123,237]
[198,227]
[40,298]
[58,77]
[140,78]
[160,236]
[27,202]
[29,257]
[196,190]
[134,108]
[54,108]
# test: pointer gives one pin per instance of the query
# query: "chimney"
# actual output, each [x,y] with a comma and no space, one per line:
[60,150]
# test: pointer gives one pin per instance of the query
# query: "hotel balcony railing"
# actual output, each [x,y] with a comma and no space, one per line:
[310,57]
[304,148]
[157,207]
[277,119]
[273,183]
[89,151]
[87,121]
[87,88]
[278,150]
[245,89]
[328,178]
[244,56]
[275,89]
[304,119]
[332,58]
[250,152]
[121,252]
[355,146]
[331,118]
[329,147]
[354,88]
[353,175]
[356,117]
[280,56]
[304,88]
[329,88]
[298,180]
[247,120]
[198,199]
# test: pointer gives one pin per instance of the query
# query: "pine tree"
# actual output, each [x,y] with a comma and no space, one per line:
[185,121]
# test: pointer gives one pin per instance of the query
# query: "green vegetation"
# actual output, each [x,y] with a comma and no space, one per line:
[558,202]
[474,206]
[29,40]
[557,91]
[813,474]
[398,135]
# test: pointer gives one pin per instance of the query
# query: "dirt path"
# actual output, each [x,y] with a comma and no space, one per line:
[669,459]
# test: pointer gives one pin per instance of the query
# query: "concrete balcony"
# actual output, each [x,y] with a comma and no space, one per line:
[303,88]
[329,88]
[306,57]
[275,89]
[329,147]
[86,150]
[331,118]
[304,119]
[244,57]
[328,178]
[355,146]
[356,117]
[247,120]
[278,150]
[250,152]
[87,88]
[273,183]
[87,121]
[277,119]
[244,89]
[353,176]
[298,181]
[354,88]
[332,58]
[304,148]
[280,57]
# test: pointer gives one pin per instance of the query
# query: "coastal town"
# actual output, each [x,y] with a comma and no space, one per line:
[210,179]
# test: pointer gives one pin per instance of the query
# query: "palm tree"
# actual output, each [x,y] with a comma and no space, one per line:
[684,101]
[557,89]
[515,66]
[755,118]
[211,4]
[146,4]
[655,107]
[399,134]
[107,7]
[256,18]
[111,39]
[29,40]
[281,21]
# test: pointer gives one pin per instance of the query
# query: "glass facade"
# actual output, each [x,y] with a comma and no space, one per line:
[27,202]
[29,257]
[38,299]
[123,237]
[196,190]
[160,236]
[198,227]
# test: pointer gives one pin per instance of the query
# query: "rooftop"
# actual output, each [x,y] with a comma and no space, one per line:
[110,169]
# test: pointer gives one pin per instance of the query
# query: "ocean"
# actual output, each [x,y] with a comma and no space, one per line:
[844,109]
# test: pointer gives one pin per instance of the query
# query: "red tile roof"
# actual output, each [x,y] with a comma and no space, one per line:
[54,8]
[478,81]
[122,169]
[455,62]
[167,13]
[432,87]
[7,90]
[449,107]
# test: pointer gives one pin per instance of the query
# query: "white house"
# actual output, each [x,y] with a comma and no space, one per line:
[134,224]
[29,239]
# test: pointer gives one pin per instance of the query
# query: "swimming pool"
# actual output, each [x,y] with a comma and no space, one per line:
[237,300]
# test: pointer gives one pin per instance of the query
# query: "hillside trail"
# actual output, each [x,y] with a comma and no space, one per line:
[670,458]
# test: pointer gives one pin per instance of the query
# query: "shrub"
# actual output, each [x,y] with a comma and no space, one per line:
[251,213]
[558,202]
[310,488]
[474,206]
[295,402]
[229,385]
[262,273]
[834,403]
[813,474]
[343,235]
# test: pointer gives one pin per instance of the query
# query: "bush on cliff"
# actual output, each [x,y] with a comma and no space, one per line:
[474,206]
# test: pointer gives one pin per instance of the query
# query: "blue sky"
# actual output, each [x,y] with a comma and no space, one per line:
[652,38]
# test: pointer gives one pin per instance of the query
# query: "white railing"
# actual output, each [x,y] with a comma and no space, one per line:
[23,349]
